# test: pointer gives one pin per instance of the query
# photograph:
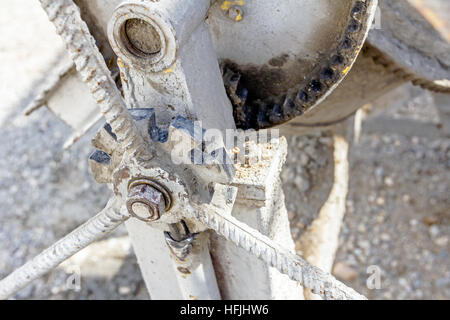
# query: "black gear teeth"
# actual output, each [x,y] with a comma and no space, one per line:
[100,157]
[252,113]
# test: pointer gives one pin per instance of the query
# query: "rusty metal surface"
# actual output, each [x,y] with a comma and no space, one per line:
[145,202]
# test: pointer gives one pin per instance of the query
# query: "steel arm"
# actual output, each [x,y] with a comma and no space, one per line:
[97,227]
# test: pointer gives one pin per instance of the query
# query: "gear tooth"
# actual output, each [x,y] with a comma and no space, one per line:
[261,118]
[100,164]
[108,129]
[242,94]
[183,136]
[275,114]
[187,128]
[153,131]
[140,114]
[105,140]
[289,107]
[100,157]
[108,147]
[148,115]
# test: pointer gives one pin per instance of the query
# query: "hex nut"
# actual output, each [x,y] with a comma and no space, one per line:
[145,203]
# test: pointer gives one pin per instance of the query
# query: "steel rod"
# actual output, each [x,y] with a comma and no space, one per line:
[295,267]
[90,63]
[97,227]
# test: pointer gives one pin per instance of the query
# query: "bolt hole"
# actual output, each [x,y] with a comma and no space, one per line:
[141,38]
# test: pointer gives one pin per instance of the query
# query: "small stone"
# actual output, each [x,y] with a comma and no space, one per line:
[302,184]
[304,159]
[300,225]
[375,242]
[380,201]
[379,172]
[441,241]
[365,245]
[344,272]
[413,222]
[380,218]
[311,151]
[123,291]
[362,228]
[434,231]
[403,282]
[326,141]
[385,237]
[388,181]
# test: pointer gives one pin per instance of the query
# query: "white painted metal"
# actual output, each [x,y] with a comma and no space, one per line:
[239,233]
[195,274]
[159,270]
[259,204]
[192,85]
[184,79]
[306,27]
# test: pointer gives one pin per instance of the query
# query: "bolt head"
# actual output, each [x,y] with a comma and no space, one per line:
[145,203]
[236,13]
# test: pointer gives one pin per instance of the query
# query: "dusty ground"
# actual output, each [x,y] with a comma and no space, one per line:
[398,206]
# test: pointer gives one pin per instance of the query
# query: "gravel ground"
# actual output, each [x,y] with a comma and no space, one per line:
[397,209]
[398,206]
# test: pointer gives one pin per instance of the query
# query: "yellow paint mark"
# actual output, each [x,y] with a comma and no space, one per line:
[120,63]
[228,4]
[345,70]
[238,17]
[192,297]
[170,69]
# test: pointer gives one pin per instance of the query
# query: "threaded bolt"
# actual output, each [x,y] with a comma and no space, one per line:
[145,203]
